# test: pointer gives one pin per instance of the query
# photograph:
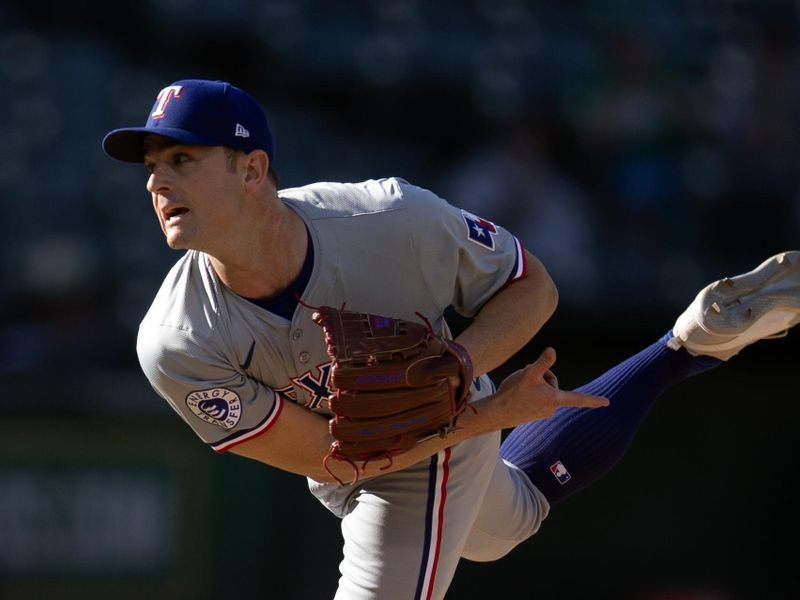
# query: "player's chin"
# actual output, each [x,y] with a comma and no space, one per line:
[176,240]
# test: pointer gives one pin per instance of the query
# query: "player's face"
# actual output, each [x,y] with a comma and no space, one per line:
[193,191]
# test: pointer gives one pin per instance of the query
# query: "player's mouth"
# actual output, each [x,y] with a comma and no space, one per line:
[170,214]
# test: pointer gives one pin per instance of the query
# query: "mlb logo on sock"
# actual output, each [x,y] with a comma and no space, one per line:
[560,472]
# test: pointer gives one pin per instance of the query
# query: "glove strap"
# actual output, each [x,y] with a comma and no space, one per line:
[335,453]
[467,371]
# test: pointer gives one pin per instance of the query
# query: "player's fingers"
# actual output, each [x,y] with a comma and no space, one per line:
[579,400]
[551,379]
[533,374]
[542,364]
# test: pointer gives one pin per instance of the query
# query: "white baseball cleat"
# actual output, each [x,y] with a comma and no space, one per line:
[736,311]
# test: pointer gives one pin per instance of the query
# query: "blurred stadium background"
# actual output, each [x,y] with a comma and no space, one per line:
[640,147]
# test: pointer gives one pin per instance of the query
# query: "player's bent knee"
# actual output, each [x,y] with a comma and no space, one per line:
[512,511]
[482,547]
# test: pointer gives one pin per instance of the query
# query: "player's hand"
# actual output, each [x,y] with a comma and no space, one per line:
[532,393]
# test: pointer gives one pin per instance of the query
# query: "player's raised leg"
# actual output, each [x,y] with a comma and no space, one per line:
[575,447]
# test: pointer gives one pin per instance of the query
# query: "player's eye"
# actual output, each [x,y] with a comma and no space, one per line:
[179,158]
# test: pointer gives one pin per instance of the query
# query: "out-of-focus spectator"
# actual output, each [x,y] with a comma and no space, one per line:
[59,320]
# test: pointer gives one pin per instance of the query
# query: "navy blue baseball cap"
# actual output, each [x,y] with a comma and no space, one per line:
[201,112]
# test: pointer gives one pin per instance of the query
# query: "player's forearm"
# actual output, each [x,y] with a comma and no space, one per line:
[299,441]
[490,416]
[510,319]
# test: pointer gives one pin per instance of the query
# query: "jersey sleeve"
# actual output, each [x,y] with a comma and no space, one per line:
[465,259]
[221,404]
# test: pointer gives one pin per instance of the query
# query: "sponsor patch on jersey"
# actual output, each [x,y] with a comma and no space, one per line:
[479,230]
[560,472]
[217,406]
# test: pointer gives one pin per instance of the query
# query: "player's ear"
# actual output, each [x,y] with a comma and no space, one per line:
[255,168]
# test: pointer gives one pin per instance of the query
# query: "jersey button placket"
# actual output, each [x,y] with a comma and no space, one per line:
[304,356]
[297,334]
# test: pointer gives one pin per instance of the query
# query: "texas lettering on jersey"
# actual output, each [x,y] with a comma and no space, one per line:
[287,393]
[318,388]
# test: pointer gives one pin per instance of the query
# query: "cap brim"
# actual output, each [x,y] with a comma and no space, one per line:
[127,144]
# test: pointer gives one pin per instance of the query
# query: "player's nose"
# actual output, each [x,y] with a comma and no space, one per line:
[158,181]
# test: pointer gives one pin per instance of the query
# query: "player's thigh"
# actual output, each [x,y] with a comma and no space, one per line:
[404,532]
[512,510]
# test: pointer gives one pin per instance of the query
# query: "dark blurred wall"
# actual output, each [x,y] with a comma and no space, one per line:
[641,149]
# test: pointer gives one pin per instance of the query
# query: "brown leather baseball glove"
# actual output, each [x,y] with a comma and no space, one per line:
[397,383]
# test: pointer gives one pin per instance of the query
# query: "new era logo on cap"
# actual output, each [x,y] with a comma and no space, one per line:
[197,112]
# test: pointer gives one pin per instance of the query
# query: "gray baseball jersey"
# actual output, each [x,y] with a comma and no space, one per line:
[227,366]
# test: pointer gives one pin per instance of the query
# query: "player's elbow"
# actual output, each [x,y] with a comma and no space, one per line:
[328,471]
[551,295]
[542,284]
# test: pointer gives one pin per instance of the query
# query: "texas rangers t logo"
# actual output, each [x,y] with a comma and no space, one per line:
[479,230]
[163,98]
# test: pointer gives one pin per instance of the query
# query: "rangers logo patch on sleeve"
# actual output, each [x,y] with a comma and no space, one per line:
[217,406]
[479,230]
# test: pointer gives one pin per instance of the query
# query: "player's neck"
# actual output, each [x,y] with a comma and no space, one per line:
[270,262]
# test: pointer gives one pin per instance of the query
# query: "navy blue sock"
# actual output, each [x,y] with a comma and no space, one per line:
[577,446]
